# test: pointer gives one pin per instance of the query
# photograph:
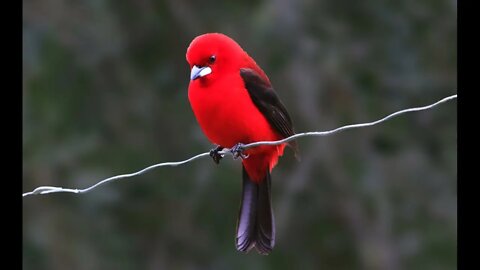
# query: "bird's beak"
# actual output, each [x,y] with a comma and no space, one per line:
[199,72]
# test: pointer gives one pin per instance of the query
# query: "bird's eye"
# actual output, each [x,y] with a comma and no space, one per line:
[212,59]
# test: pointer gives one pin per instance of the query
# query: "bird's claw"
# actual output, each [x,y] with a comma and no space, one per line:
[215,155]
[237,151]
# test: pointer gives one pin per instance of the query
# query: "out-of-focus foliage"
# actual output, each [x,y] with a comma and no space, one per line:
[105,93]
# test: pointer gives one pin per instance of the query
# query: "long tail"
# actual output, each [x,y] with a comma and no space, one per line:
[256,225]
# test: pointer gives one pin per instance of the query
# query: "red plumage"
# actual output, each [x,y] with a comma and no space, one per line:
[222,105]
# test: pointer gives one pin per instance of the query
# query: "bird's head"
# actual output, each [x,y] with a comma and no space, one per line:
[213,54]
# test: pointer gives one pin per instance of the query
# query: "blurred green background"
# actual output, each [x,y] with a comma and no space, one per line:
[105,93]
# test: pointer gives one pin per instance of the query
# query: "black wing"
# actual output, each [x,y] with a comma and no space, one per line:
[268,103]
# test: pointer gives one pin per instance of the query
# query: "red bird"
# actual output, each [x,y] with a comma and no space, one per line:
[234,103]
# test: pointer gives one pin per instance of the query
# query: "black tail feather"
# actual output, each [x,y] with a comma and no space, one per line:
[256,225]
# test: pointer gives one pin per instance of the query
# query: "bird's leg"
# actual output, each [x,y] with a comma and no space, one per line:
[237,151]
[215,155]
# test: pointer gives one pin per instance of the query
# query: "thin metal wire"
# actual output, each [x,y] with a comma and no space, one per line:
[50,189]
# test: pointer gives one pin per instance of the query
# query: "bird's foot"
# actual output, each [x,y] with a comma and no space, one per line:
[215,155]
[237,151]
